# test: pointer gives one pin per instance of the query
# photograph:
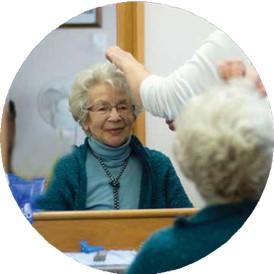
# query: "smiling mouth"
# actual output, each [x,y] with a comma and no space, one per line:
[115,130]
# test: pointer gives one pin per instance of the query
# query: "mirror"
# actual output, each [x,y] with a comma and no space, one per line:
[44,130]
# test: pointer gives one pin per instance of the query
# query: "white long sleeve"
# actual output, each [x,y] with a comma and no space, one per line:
[165,96]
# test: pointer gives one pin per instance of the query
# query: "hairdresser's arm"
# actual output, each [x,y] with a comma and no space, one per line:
[134,71]
[234,69]
[165,96]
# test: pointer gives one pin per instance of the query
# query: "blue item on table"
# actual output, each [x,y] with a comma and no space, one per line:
[86,248]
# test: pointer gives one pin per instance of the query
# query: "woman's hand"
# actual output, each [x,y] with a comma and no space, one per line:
[134,71]
[171,124]
[120,58]
[237,69]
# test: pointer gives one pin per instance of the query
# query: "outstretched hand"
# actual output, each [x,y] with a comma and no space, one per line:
[236,69]
[134,71]
[119,57]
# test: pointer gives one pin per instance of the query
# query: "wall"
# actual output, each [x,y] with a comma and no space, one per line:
[171,37]
[54,61]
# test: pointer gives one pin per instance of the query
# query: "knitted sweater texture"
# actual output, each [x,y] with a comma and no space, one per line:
[191,239]
[160,185]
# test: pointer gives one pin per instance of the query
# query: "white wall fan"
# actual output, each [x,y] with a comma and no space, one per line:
[53,107]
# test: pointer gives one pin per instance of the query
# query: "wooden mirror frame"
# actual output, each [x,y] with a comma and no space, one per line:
[130,37]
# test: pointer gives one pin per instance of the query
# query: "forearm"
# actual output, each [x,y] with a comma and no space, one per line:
[135,74]
[165,97]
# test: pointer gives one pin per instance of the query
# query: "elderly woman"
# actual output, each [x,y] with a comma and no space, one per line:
[224,145]
[111,170]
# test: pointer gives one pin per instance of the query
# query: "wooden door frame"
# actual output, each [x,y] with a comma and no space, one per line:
[130,37]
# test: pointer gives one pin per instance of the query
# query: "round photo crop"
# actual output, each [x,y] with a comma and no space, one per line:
[136,138]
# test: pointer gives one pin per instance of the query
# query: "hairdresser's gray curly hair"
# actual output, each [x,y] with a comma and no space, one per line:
[224,142]
[105,73]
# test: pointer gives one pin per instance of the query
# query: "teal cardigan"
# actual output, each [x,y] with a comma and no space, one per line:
[160,185]
[191,239]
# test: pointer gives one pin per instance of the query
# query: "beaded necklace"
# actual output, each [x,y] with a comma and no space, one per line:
[114,182]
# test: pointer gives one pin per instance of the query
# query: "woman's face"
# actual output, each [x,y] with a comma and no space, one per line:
[110,118]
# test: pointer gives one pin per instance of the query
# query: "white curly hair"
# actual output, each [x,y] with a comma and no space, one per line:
[224,142]
[105,73]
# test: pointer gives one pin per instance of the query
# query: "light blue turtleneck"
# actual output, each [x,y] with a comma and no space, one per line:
[99,191]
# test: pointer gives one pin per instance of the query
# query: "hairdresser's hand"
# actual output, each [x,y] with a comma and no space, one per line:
[171,124]
[120,58]
[236,69]
[232,69]
[253,75]
[134,71]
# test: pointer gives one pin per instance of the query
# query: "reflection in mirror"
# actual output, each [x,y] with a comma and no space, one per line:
[112,169]
[101,177]
[44,128]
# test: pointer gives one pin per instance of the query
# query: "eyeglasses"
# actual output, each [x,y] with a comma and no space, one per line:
[103,109]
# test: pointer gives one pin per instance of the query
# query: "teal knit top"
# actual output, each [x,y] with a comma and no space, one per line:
[160,185]
[99,191]
[191,239]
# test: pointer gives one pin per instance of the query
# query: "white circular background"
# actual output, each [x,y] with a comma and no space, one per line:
[25,23]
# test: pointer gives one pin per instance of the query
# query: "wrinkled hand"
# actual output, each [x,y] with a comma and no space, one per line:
[237,69]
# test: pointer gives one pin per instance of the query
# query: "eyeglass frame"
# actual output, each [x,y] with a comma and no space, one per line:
[110,107]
